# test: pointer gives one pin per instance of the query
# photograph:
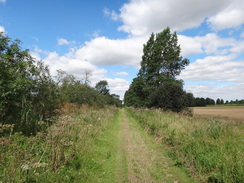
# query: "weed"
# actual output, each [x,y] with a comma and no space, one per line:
[211,149]
[64,153]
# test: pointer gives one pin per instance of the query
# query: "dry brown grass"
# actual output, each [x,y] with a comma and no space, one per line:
[233,113]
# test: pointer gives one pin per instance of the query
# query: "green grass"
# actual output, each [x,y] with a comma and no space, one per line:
[68,152]
[164,168]
[212,150]
[85,146]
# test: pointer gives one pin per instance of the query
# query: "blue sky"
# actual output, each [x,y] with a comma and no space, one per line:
[106,37]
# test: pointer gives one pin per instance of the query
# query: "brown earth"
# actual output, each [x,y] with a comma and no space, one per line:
[233,113]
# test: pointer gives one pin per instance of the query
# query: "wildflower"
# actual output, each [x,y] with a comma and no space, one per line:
[25,168]
[39,165]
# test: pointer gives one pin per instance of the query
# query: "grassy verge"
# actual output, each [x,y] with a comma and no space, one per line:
[211,149]
[65,153]
[161,167]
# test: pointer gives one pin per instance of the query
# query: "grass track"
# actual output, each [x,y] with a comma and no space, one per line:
[136,155]
[90,145]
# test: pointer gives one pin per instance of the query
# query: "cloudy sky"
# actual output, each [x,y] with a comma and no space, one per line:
[106,37]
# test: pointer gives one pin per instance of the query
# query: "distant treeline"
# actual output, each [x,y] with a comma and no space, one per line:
[202,102]
[29,94]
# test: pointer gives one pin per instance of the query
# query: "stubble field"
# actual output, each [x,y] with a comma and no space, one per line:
[233,113]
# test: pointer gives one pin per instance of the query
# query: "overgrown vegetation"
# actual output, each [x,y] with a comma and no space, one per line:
[65,153]
[29,94]
[30,98]
[211,149]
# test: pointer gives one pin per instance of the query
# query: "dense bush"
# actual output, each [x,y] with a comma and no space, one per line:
[19,82]
[169,96]
[29,94]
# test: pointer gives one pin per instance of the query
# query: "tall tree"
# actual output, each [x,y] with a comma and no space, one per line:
[161,59]
[102,87]
[218,101]
[161,63]
[190,100]
[221,101]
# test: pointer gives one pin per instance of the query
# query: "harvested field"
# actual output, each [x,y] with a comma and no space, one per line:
[234,113]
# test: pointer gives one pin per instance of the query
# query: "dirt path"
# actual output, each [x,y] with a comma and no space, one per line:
[140,158]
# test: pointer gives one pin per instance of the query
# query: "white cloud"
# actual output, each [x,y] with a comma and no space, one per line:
[76,67]
[242,35]
[141,17]
[118,86]
[238,48]
[62,41]
[104,51]
[73,66]
[2,29]
[121,74]
[3,1]
[226,92]
[36,54]
[210,44]
[215,68]
[112,14]
[189,45]
[232,16]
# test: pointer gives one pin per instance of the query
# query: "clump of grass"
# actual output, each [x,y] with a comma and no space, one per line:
[212,149]
[64,153]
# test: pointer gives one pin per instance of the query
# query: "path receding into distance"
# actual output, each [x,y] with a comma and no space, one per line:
[138,157]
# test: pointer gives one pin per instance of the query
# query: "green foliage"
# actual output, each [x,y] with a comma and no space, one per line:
[161,58]
[74,91]
[220,101]
[46,96]
[102,87]
[210,101]
[137,93]
[190,100]
[200,102]
[66,152]
[28,93]
[17,84]
[161,63]
[169,96]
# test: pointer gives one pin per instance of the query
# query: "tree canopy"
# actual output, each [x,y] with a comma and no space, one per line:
[161,63]
[102,87]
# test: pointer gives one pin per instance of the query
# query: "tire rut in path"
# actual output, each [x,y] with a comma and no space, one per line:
[136,153]
[138,159]
[138,156]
